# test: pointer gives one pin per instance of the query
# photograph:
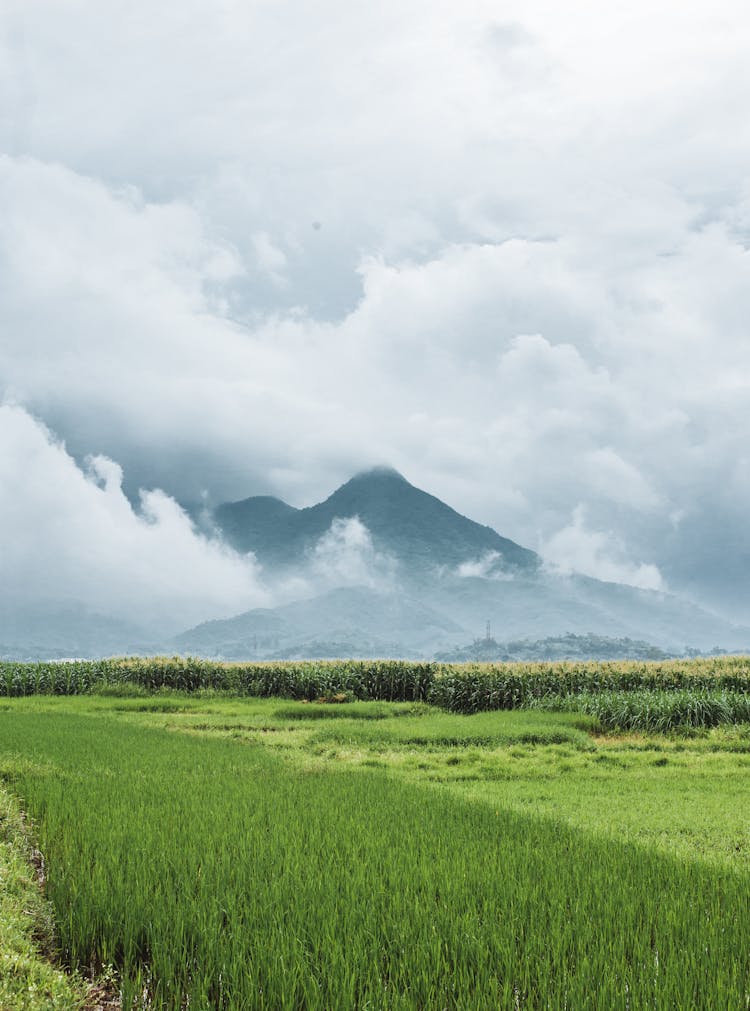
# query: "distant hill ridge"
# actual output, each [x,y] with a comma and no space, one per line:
[561,647]
[451,576]
[417,528]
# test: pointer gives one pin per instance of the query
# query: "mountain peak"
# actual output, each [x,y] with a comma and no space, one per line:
[378,487]
[424,534]
[379,473]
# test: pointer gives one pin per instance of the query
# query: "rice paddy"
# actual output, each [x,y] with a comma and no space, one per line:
[231,852]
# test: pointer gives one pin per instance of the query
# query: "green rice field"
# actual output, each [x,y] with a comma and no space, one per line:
[215,850]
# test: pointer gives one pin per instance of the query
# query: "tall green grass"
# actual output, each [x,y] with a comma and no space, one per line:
[216,877]
[387,680]
[465,688]
[473,688]
[28,979]
[657,711]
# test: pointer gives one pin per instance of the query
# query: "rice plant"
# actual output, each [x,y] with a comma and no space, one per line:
[215,876]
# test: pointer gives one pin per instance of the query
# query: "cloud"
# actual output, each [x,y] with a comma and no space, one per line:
[73,536]
[609,476]
[118,336]
[270,259]
[484,567]
[529,289]
[346,556]
[479,567]
[599,554]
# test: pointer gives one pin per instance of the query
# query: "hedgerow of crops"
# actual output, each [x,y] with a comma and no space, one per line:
[392,681]
[657,711]
[472,688]
[214,876]
[461,688]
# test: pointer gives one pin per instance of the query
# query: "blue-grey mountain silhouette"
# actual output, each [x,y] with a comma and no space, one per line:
[449,575]
[409,524]
[428,582]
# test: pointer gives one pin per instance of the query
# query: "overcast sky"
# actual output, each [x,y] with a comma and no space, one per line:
[251,247]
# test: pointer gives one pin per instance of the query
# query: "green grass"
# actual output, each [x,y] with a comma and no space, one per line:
[657,711]
[349,711]
[29,981]
[442,730]
[691,801]
[239,854]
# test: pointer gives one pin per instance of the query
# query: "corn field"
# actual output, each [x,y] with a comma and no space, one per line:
[700,692]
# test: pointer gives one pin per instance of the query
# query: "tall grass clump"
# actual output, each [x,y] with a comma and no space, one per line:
[657,711]
[471,688]
[213,876]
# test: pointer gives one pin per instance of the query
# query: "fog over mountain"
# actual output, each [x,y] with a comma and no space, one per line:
[418,531]
[380,568]
[428,579]
[250,250]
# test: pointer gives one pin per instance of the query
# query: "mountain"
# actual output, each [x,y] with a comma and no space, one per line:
[562,647]
[450,576]
[422,583]
[52,630]
[542,610]
[351,622]
[404,522]
[547,603]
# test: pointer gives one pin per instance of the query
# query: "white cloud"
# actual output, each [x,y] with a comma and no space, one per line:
[530,287]
[346,556]
[484,567]
[598,554]
[269,258]
[609,476]
[74,536]
[124,349]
